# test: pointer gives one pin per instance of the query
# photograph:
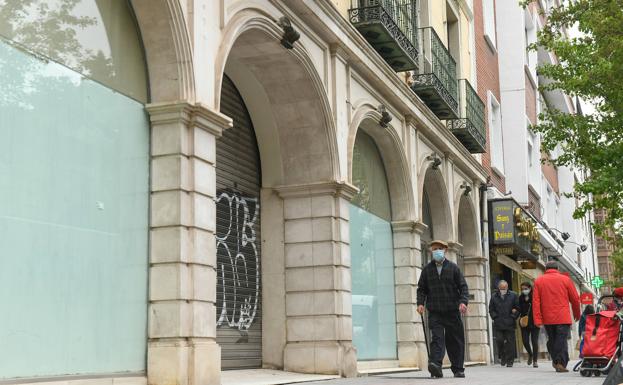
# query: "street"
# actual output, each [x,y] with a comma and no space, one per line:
[479,375]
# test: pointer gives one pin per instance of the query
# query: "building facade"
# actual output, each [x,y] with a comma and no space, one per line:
[198,186]
[531,219]
[605,249]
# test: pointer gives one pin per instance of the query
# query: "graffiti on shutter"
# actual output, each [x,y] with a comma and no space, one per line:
[239,304]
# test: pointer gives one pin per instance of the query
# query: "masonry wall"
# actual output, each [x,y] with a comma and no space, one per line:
[488,79]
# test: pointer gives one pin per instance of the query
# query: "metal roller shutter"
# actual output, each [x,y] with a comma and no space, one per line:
[238,315]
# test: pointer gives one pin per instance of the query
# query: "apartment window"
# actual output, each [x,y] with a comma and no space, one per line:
[529,38]
[496,142]
[551,208]
[453,35]
[488,15]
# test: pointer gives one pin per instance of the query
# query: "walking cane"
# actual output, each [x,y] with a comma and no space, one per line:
[425,336]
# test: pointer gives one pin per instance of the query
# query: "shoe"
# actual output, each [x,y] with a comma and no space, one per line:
[509,365]
[503,363]
[535,365]
[435,370]
[459,374]
[529,360]
[561,369]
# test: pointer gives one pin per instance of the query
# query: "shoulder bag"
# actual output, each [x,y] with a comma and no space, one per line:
[525,320]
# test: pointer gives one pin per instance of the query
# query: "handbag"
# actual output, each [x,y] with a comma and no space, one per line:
[525,320]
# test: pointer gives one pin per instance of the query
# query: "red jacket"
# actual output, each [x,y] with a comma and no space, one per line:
[552,294]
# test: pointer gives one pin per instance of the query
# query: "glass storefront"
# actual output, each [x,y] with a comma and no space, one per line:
[372,257]
[74,189]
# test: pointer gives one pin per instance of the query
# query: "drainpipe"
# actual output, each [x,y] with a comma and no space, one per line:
[484,221]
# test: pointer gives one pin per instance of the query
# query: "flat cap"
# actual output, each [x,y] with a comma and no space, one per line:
[439,242]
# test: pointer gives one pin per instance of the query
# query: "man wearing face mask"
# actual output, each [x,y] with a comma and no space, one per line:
[504,310]
[443,291]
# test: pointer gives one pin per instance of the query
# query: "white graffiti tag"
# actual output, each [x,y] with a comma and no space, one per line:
[238,260]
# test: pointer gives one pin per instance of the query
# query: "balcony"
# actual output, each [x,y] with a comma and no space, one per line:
[390,26]
[435,83]
[469,128]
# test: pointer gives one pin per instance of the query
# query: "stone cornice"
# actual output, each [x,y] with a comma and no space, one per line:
[475,259]
[196,115]
[403,226]
[455,246]
[420,227]
[337,189]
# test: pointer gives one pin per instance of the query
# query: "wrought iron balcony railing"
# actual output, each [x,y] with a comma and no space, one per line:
[435,82]
[390,26]
[469,128]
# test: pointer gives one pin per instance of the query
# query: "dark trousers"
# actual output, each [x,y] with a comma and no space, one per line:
[557,336]
[505,340]
[446,331]
[531,335]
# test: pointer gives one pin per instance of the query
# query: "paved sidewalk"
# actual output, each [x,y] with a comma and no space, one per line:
[520,374]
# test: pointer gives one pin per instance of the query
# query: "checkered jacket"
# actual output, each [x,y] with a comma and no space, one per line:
[442,293]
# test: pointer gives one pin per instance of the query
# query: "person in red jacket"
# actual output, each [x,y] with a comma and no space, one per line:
[617,301]
[552,294]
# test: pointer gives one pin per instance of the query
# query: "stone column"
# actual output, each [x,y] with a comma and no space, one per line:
[420,341]
[182,347]
[476,319]
[406,267]
[318,279]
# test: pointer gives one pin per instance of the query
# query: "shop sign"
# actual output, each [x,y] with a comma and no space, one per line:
[502,214]
[586,299]
[512,230]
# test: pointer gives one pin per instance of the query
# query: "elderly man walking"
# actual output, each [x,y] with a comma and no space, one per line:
[443,290]
[553,292]
[504,310]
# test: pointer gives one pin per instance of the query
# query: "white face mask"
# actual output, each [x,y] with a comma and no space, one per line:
[525,291]
[503,292]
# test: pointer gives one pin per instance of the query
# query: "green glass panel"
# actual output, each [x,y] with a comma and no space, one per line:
[369,177]
[374,309]
[74,172]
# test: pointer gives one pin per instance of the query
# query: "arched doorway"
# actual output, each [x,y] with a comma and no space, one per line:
[74,166]
[374,317]
[467,228]
[238,251]
[467,237]
[280,100]
[435,208]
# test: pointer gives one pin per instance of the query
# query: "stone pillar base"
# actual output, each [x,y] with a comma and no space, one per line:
[408,354]
[479,352]
[422,357]
[184,362]
[337,358]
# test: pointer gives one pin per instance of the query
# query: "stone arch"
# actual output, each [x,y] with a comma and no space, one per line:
[432,183]
[168,50]
[467,226]
[285,97]
[394,159]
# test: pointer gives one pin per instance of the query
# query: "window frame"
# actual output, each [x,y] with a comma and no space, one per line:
[496,157]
